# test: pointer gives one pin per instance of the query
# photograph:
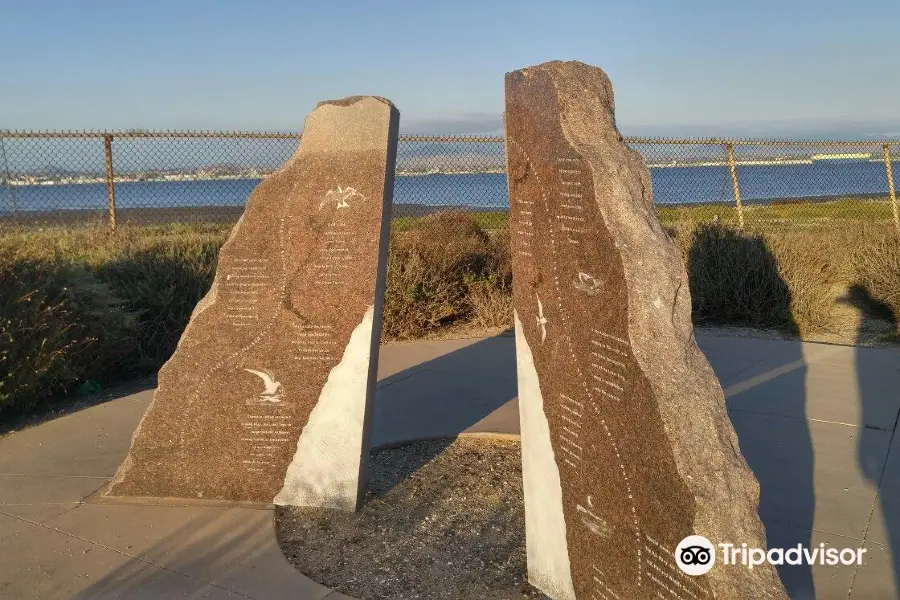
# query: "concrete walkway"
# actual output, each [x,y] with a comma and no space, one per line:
[816,423]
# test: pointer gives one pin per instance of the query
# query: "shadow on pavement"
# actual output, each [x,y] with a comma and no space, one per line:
[220,554]
[55,409]
[870,451]
[779,450]
[448,395]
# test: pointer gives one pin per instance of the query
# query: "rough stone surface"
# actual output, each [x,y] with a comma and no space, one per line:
[269,391]
[624,427]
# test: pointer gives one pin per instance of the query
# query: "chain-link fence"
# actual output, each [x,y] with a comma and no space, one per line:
[136,177]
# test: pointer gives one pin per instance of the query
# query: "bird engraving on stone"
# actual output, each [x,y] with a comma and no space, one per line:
[595,524]
[273,391]
[541,320]
[342,197]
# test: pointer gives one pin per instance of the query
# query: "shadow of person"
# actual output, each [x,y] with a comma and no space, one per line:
[735,281]
[876,318]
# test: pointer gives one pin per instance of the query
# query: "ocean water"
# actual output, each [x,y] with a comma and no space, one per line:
[671,185]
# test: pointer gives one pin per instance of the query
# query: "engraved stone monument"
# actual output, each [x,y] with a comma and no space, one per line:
[267,397]
[626,445]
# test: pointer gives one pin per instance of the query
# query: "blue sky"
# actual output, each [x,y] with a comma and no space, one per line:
[679,67]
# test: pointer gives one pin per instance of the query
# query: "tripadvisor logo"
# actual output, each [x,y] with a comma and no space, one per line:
[696,555]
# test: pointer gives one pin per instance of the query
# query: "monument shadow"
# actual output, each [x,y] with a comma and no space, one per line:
[201,555]
[446,396]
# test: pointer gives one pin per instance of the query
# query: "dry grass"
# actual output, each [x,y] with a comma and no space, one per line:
[444,271]
[878,269]
[81,304]
[797,281]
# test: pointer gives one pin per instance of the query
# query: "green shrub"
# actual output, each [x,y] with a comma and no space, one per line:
[161,283]
[734,278]
[59,325]
[431,269]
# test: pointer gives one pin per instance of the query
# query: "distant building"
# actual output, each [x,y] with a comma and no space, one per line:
[848,156]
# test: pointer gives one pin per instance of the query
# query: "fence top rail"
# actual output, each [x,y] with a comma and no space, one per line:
[7,133]
[261,135]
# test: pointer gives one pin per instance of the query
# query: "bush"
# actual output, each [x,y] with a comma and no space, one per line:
[734,279]
[161,285]
[432,270]
[801,281]
[86,305]
[59,326]
[878,270]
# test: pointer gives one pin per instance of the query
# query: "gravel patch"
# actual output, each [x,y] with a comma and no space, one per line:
[441,519]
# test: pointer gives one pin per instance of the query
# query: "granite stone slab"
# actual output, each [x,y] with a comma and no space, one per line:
[267,397]
[626,445]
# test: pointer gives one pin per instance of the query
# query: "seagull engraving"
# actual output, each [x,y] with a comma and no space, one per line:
[541,319]
[341,196]
[273,391]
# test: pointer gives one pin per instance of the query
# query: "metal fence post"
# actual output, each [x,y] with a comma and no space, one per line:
[7,177]
[734,182]
[110,185]
[889,170]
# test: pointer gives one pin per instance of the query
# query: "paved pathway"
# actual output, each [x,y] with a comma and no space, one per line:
[816,423]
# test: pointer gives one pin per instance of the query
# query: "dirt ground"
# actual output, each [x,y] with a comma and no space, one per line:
[442,519]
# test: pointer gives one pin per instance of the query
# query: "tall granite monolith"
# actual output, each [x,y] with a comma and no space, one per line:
[268,395]
[627,448]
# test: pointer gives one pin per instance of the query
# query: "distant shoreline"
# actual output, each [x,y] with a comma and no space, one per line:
[33,181]
[230,214]
[184,214]
[175,178]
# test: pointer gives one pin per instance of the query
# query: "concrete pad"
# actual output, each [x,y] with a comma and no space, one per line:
[842,384]
[806,582]
[11,526]
[90,442]
[885,526]
[19,490]
[139,581]
[504,419]
[133,528]
[396,357]
[808,471]
[876,577]
[436,403]
[38,513]
[234,549]
[41,563]
[730,356]
[488,358]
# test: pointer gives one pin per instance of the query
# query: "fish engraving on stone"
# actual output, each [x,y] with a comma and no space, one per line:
[588,283]
[273,391]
